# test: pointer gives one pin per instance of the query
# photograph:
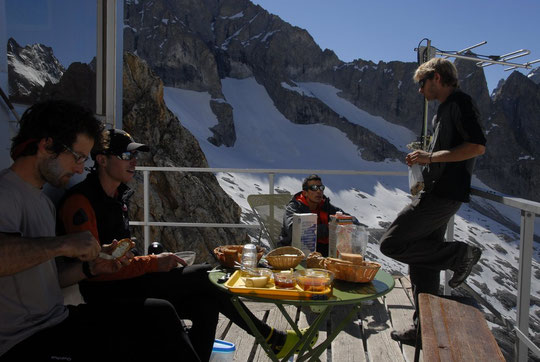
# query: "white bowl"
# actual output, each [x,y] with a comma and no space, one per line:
[187,256]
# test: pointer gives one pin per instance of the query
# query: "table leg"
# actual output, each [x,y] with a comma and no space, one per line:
[303,340]
[320,348]
[258,336]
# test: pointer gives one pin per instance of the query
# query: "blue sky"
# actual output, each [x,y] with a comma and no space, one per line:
[68,26]
[390,30]
[387,30]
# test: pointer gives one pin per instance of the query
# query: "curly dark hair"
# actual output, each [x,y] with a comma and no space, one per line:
[310,178]
[59,120]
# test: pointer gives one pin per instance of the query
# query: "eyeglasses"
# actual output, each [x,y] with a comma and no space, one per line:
[79,158]
[422,82]
[315,187]
[128,155]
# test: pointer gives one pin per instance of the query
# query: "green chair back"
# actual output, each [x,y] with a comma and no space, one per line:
[269,210]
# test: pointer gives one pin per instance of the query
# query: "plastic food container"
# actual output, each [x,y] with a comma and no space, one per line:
[314,280]
[285,280]
[258,272]
[222,351]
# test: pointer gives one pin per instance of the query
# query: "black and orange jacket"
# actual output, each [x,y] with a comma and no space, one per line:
[86,206]
[299,205]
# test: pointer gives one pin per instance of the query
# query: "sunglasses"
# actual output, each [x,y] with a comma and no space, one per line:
[79,158]
[315,187]
[422,82]
[128,155]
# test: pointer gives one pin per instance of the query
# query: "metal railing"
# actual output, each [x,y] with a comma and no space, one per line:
[529,210]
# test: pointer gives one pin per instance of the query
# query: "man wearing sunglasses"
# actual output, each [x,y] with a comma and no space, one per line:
[100,204]
[416,237]
[310,200]
[53,142]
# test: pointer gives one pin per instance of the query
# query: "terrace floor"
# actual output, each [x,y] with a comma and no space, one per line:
[367,338]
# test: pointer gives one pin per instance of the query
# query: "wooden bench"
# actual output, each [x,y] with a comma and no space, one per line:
[454,331]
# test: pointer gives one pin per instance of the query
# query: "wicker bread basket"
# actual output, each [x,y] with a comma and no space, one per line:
[363,272]
[285,257]
[228,254]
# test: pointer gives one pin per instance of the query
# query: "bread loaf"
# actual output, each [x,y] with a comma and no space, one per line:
[354,258]
[315,260]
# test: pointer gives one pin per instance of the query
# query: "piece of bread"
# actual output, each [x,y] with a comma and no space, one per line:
[354,258]
[257,282]
[120,250]
[315,260]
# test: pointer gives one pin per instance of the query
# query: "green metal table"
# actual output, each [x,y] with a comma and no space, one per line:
[344,293]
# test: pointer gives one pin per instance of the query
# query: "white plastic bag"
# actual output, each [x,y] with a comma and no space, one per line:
[416,180]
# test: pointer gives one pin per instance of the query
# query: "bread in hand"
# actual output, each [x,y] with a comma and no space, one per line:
[121,248]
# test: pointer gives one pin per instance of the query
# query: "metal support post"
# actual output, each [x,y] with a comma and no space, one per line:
[271,183]
[524,282]
[449,237]
[146,207]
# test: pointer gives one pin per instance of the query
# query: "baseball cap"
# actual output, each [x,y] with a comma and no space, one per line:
[118,141]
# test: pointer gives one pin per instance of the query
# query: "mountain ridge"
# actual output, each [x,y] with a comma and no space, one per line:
[239,39]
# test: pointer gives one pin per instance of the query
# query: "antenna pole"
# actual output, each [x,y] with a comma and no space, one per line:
[424,58]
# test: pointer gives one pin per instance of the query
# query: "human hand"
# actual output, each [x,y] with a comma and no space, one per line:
[81,245]
[419,156]
[117,249]
[167,261]
[107,266]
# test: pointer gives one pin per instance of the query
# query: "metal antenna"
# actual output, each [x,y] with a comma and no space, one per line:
[482,60]
[427,52]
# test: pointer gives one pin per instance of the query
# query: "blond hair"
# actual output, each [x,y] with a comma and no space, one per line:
[445,68]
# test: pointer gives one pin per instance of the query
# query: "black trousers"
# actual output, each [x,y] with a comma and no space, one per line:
[190,292]
[416,238]
[110,333]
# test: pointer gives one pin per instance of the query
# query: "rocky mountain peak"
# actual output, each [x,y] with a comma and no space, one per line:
[194,44]
[534,75]
[514,122]
[31,67]
[174,196]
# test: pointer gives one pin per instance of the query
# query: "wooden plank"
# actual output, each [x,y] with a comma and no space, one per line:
[306,318]
[376,328]
[243,341]
[401,310]
[453,331]
[348,346]
[222,327]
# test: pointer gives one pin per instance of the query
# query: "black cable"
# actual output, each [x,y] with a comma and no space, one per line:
[418,56]
[9,104]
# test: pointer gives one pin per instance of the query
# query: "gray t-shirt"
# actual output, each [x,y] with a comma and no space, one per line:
[30,300]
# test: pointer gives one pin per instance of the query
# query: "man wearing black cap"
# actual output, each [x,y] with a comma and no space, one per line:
[100,204]
[53,142]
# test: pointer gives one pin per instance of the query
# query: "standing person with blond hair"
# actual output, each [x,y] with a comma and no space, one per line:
[416,237]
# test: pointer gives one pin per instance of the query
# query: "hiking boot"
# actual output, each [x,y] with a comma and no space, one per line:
[406,335]
[291,341]
[462,271]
